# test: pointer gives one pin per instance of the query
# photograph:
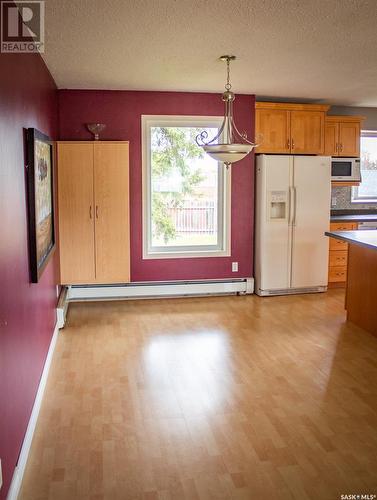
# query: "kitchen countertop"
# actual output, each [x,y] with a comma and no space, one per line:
[354,218]
[366,238]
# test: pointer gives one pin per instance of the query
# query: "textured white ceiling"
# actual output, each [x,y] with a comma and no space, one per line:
[325,50]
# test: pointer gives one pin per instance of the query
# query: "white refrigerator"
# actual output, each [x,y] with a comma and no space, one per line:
[292,213]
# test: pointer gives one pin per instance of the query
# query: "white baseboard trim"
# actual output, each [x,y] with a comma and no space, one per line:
[18,474]
[161,289]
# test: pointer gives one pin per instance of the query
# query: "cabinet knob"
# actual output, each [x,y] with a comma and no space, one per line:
[288,143]
[293,144]
[341,147]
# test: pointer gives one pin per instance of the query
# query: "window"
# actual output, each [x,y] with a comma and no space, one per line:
[186,210]
[367,191]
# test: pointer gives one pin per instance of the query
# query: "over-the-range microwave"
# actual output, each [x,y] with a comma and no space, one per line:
[345,169]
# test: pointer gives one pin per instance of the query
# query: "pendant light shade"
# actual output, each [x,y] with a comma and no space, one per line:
[228,153]
[236,145]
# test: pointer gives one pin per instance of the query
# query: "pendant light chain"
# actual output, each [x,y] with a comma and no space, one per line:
[228,86]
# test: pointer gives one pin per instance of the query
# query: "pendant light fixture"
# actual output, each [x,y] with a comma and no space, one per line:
[236,145]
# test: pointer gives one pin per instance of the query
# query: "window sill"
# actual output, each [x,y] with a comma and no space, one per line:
[186,255]
[372,201]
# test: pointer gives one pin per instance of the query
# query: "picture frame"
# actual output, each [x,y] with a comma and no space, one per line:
[40,185]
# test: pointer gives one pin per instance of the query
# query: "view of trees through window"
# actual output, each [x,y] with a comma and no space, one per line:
[184,189]
[367,191]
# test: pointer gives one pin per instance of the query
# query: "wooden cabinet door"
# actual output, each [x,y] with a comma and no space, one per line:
[342,226]
[111,189]
[76,213]
[338,258]
[349,138]
[331,138]
[337,274]
[307,132]
[273,126]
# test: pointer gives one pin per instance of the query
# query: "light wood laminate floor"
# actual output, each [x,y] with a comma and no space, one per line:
[208,398]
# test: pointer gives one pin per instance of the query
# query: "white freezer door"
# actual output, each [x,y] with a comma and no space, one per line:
[273,242]
[311,216]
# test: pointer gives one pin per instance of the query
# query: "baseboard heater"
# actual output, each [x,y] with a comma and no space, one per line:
[160,289]
[62,307]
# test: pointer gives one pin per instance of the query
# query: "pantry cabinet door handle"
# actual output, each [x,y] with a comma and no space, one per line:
[96,211]
[90,211]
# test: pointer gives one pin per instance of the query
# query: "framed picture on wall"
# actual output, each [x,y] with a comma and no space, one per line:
[40,201]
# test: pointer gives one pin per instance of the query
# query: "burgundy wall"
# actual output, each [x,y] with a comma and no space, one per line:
[28,98]
[121,111]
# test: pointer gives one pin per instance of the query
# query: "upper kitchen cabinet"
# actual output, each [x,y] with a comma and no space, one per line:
[274,125]
[307,132]
[331,137]
[290,128]
[342,135]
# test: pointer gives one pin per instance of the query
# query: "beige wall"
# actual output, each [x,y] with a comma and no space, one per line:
[370,113]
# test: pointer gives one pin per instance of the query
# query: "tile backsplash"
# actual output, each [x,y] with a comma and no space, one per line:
[341,200]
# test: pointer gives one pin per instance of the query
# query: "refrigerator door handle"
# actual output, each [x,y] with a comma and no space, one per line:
[290,207]
[294,206]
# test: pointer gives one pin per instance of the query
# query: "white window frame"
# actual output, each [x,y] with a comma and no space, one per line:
[224,247]
[355,198]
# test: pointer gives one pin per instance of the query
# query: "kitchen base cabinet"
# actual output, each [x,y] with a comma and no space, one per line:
[338,255]
[361,288]
[93,207]
[338,275]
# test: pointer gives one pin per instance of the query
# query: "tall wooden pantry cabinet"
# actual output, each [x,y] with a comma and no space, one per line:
[93,207]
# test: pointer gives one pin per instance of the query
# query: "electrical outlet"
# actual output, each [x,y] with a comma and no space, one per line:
[1,476]
[234,267]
